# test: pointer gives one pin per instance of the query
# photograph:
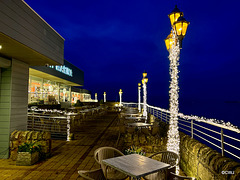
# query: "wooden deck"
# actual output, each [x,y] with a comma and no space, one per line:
[68,157]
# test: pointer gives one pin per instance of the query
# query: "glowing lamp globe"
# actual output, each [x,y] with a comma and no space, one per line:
[180,27]
[144,74]
[146,80]
[174,15]
[139,85]
[120,91]
[169,41]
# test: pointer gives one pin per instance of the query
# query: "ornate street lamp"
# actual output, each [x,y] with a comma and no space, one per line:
[104,97]
[139,97]
[120,97]
[173,44]
[174,15]
[144,83]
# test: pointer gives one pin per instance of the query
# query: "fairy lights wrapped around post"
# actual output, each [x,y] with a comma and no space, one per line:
[174,44]
[120,97]
[139,97]
[144,83]
[104,97]
[96,97]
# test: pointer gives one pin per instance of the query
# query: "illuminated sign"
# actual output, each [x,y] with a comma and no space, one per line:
[63,69]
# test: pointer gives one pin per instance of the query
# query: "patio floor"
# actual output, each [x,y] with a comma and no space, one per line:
[68,157]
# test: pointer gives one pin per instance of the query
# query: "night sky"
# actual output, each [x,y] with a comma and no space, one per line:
[113,42]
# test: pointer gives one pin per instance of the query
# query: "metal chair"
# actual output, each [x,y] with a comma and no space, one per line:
[173,176]
[105,153]
[167,157]
[95,174]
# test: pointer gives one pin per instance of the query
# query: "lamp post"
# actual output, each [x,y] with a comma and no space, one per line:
[139,97]
[104,97]
[174,44]
[120,97]
[144,83]
[96,97]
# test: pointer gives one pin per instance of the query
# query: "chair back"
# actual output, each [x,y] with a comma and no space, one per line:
[168,157]
[106,153]
[178,177]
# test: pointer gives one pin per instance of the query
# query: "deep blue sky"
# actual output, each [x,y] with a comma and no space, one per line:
[113,42]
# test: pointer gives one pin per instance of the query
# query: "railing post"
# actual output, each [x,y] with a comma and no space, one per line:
[222,141]
[192,127]
[161,115]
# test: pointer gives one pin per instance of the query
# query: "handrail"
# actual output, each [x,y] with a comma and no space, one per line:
[207,133]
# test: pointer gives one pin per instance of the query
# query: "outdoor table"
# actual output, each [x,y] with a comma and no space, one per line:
[138,118]
[139,124]
[129,114]
[135,165]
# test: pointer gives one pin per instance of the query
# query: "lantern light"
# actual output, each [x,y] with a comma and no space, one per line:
[180,27]
[146,80]
[139,85]
[174,15]
[144,74]
[120,91]
[169,41]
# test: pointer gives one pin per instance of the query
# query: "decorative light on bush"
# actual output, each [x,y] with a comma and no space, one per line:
[144,83]
[139,97]
[104,97]
[179,27]
[120,97]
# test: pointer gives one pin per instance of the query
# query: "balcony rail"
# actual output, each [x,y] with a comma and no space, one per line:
[217,134]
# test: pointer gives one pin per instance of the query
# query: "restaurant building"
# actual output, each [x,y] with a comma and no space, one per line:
[57,85]
[32,67]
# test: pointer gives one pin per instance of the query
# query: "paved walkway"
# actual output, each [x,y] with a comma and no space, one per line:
[68,157]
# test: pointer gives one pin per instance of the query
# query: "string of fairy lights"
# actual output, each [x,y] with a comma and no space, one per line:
[139,97]
[173,133]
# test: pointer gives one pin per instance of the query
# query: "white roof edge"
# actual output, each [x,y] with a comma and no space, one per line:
[43,20]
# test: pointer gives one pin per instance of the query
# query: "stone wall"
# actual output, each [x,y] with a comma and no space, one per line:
[19,137]
[204,163]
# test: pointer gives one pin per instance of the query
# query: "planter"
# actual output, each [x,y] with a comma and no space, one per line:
[26,158]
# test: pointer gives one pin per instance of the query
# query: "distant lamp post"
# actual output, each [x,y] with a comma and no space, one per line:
[104,97]
[96,97]
[120,97]
[144,83]
[174,44]
[139,97]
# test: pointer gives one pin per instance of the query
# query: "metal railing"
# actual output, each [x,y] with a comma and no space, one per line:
[221,136]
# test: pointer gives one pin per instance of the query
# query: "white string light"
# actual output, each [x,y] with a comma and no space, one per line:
[173,142]
[139,99]
[145,100]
